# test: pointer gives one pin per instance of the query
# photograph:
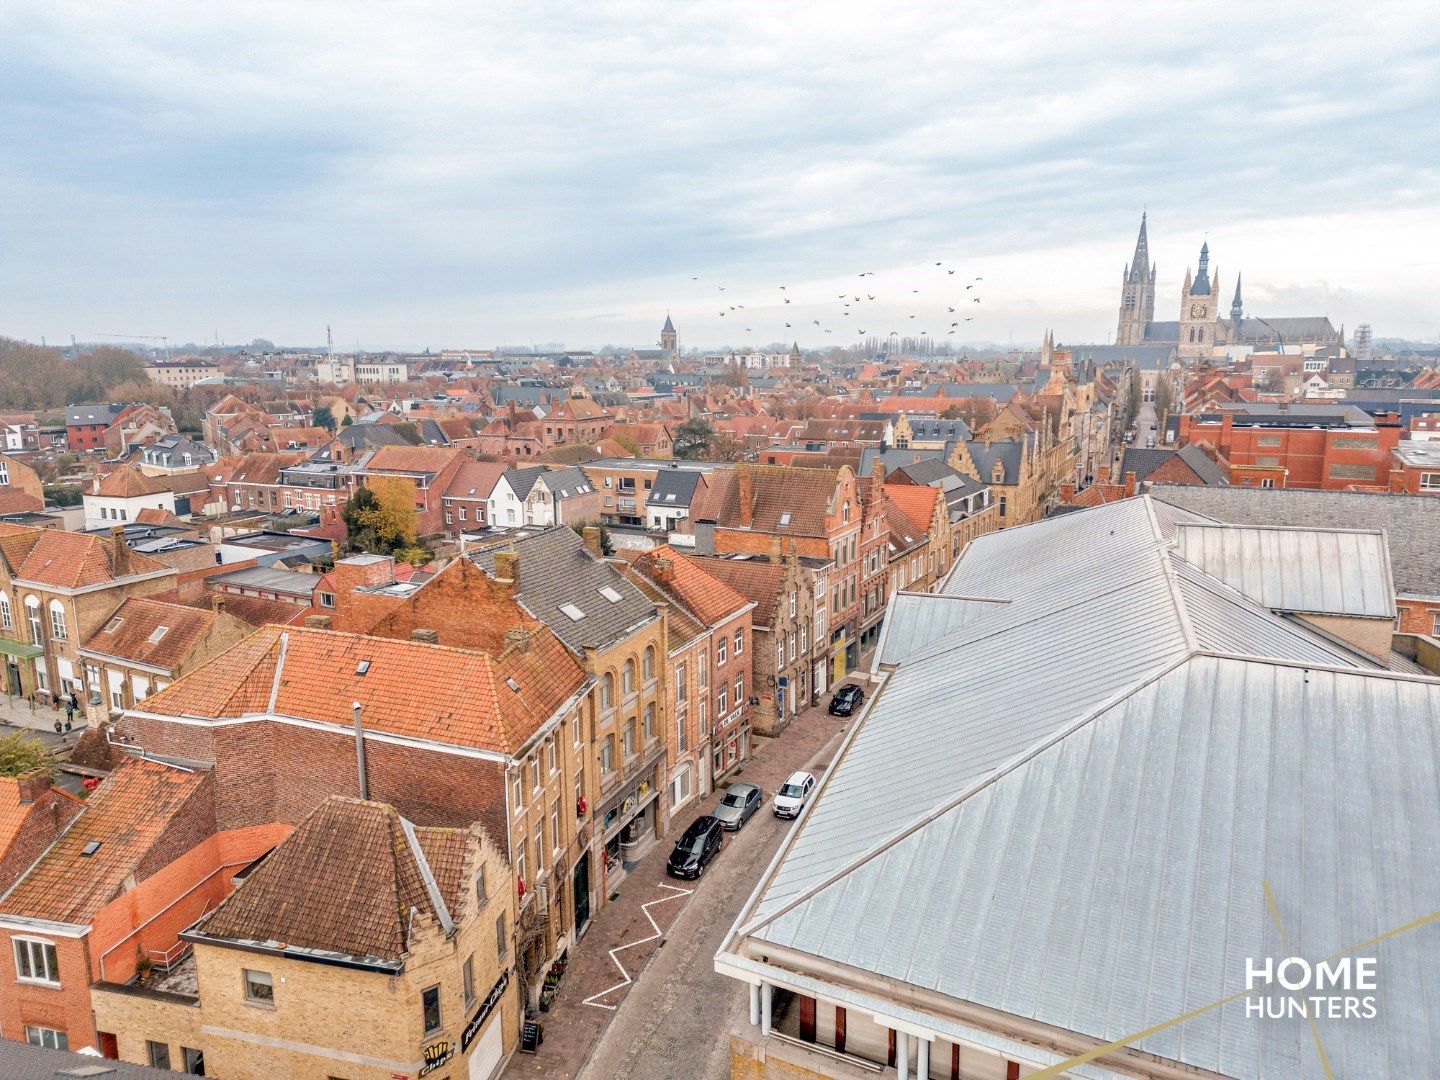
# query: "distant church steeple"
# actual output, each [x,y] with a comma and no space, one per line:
[669,339]
[1201,286]
[1237,308]
[1137,292]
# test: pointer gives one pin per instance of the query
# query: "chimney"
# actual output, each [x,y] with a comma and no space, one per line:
[360,752]
[877,471]
[1067,492]
[217,601]
[428,636]
[745,495]
[32,785]
[121,550]
[507,568]
[517,638]
[1130,483]
[665,569]
[318,622]
[704,537]
[592,540]
[775,550]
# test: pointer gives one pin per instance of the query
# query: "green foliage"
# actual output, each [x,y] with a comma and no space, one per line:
[415,556]
[606,547]
[21,753]
[692,438]
[380,518]
[324,418]
[347,421]
[64,495]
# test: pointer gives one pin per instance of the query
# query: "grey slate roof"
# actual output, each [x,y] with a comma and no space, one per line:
[567,483]
[557,569]
[673,487]
[923,429]
[894,458]
[1411,523]
[21,1061]
[1063,807]
[1143,461]
[522,480]
[1005,451]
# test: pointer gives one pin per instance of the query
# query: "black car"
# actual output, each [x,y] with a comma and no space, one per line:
[697,846]
[846,700]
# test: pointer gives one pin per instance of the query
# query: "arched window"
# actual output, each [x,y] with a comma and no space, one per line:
[627,678]
[648,668]
[57,620]
[32,616]
[607,691]
[846,511]
[5,619]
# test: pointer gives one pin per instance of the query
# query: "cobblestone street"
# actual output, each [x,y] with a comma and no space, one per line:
[671,1022]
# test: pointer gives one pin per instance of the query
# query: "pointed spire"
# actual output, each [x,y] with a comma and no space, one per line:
[1237,307]
[669,327]
[1140,264]
[1202,276]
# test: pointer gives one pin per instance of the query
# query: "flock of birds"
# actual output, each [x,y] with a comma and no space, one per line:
[862,302]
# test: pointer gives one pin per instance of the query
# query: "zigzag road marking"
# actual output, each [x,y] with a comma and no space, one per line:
[625,979]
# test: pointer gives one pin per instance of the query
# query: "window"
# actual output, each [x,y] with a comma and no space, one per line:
[481,895]
[607,691]
[1355,442]
[43,1036]
[739,691]
[680,684]
[779,654]
[792,603]
[467,979]
[1267,461]
[722,703]
[649,721]
[721,655]
[520,860]
[607,754]
[35,961]
[648,667]
[430,1008]
[502,939]
[1352,472]
[4,473]
[5,620]
[32,616]
[627,678]
[159,1054]
[630,737]
[700,667]
[552,759]
[1429,481]
[703,706]
[259,989]
[1268,440]
[194,1060]
[1267,482]
[739,642]
[680,742]
[555,824]
[518,788]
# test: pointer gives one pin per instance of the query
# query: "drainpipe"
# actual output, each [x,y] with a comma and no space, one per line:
[360,751]
[754,1004]
[766,994]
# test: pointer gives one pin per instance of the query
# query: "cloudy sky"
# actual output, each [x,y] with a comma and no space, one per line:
[463,174]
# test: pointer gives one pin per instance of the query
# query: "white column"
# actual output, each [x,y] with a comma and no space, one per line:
[765,999]
[902,1055]
[754,1004]
[922,1059]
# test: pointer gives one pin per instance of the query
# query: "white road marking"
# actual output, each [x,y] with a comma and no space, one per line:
[625,979]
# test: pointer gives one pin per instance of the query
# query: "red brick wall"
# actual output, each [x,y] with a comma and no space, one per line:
[1309,454]
[1418,616]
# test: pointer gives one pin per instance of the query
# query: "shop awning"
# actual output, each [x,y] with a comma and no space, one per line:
[20,649]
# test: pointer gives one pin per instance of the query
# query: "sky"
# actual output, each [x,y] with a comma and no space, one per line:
[450,175]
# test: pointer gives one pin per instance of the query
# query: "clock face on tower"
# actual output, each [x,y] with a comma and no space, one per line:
[1197,311]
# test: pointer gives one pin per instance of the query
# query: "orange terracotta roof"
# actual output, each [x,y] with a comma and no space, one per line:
[474,479]
[134,632]
[754,579]
[127,814]
[130,483]
[256,610]
[709,598]
[916,501]
[64,559]
[15,501]
[805,495]
[436,692]
[412,459]
[153,515]
[254,468]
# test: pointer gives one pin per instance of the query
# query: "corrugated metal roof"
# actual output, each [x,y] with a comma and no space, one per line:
[1114,878]
[916,619]
[1315,571]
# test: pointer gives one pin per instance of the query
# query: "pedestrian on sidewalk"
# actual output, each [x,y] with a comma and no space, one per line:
[69,717]
[59,727]
[74,702]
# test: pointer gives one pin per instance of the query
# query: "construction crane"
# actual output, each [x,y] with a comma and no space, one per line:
[164,341]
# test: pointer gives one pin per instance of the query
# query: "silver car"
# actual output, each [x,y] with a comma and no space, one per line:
[740,801]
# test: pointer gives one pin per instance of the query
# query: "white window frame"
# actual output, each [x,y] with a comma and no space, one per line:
[722,652]
[48,960]
[35,1035]
[266,980]
[739,649]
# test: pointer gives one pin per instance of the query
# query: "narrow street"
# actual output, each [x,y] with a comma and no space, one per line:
[670,1021]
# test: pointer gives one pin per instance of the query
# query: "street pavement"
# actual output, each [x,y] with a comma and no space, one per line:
[671,1021]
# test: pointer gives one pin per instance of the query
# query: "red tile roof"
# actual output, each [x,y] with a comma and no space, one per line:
[916,502]
[435,692]
[412,459]
[67,560]
[133,632]
[806,495]
[128,483]
[127,814]
[755,579]
[474,480]
[709,598]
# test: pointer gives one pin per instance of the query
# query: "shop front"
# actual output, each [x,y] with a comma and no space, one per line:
[730,750]
[24,667]
[629,825]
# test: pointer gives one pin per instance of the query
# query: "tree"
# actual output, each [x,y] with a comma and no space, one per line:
[380,517]
[1163,396]
[347,421]
[323,417]
[1132,398]
[606,547]
[692,438]
[724,446]
[104,367]
[32,376]
[21,754]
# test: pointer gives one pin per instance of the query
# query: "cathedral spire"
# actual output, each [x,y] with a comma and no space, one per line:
[1140,264]
[1237,308]
[1201,286]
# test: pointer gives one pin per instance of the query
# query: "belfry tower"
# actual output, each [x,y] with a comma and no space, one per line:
[1137,293]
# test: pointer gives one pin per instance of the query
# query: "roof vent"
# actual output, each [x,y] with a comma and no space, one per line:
[90,848]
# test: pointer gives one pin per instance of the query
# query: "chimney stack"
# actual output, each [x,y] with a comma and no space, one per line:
[32,785]
[121,550]
[517,638]
[592,541]
[1130,483]
[507,568]
[360,752]
[745,496]
[426,635]
[775,550]
[318,622]
[664,570]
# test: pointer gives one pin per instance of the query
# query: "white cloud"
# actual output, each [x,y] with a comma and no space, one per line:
[453,172]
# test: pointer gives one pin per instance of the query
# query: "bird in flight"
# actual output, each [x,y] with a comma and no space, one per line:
[949,271]
[862,331]
[969,318]
[977,299]
[722,288]
[782,288]
[694,279]
[968,287]
[817,322]
[787,326]
[950,309]
[787,299]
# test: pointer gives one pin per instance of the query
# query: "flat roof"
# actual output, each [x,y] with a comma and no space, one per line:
[271,578]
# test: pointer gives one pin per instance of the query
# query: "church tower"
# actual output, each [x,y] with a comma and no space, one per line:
[669,339]
[1137,293]
[1198,320]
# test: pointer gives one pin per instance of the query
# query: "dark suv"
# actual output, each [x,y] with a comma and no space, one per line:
[697,846]
[846,700]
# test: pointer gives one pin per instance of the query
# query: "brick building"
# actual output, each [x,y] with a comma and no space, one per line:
[360,921]
[21,489]
[85,425]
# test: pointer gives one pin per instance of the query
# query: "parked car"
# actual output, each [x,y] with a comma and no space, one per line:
[739,803]
[793,794]
[846,700]
[697,846]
